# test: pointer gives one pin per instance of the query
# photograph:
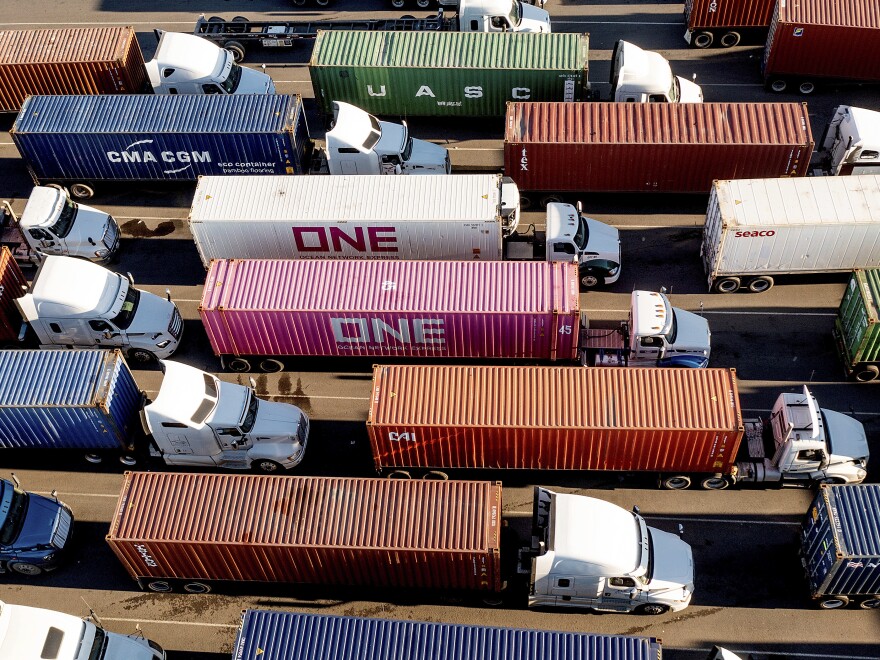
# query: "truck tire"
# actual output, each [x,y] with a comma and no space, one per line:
[714,483]
[237,50]
[590,279]
[730,39]
[322,3]
[140,355]
[866,373]
[197,588]
[727,285]
[239,365]
[652,609]
[94,459]
[299,3]
[435,475]
[761,284]
[128,460]
[271,366]
[777,85]
[871,603]
[81,191]
[833,602]
[550,199]
[703,39]
[159,586]
[675,482]
[24,568]
[399,474]
[398,4]
[806,87]
[424,4]
[266,466]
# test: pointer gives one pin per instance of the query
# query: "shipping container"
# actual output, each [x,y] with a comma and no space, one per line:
[67,399]
[348,217]
[840,546]
[12,285]
[813,41]
[320,530]
[444,309]
[727,23]
[857,326]
[91,60]
[554,418]
[83,139]
[652,147]
[460,74]
[286,635]
[758,228]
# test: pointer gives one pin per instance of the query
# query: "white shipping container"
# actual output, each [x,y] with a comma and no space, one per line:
[442,218]
[757,228]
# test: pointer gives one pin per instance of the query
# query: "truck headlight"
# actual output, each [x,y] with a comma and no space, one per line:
[102,254]
[163,343]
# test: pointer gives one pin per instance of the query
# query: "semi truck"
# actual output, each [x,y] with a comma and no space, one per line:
[33,632]
[12,285]
[683,425]
[464,217]
[760,229]
[444,536]
[727,23]
[856,329]
[433,309]
[241,33]
[840,547]
[88,401]
[554,150]
[802,34]
[850,143]
[457,74]
[108,60]
[138,138]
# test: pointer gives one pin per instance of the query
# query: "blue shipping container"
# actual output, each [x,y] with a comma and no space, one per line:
[70,399]
[142,137]
[840,541]
[282,636]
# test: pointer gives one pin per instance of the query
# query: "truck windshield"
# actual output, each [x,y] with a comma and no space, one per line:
[515,15]
[582,235]
[250,414]
[13,507]
[129,308]
[99,646]
[374,135]
[66,218]
[233,79]
[673,331]
[649,575]
[407,149]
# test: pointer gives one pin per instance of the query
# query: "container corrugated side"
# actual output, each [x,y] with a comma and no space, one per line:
[368,532]
[858,318]
[554,418]
[348,217]
[142,137]
[814,39]
[446,309]
[285,635]
[653,147]
[71,399]
[840,540]
[701,14]
[96,60]
[447,73]
[778,226]
[12,285]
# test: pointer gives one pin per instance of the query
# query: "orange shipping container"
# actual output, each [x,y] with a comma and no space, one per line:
[94,60]
[555,418]
[172,530]
[12,286]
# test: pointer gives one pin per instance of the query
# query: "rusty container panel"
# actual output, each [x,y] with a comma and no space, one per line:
[95,60]
[359,532]
[12,285]
[555,418]
[703,14]
[653,147]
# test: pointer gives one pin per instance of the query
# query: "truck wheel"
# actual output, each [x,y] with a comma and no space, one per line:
[423,4]
[239,365]
[590,279]
[714,483]
[240,29]
[299,3]
[237,50]
[730,39]
[322,3]
[833,602]
[94,459]
[159,586]
[676,482]
[866,373]
[436,475]
[777,85]
[24,568]
[81,191]
[196,588]
[652,608]
[140,355]
[727,285]
[398,4]
[703,39]
[128,460]
[550,199]
[871,603]
[525,202]
[265,466]
[761,284]
[271,366]
[58,186]
[399,474]
[806,87]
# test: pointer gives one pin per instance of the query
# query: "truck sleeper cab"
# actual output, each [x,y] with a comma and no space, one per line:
[501,16]
[640,76]
[593,245]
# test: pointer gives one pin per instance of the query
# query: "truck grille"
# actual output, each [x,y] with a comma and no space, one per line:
[111,234]
[176,325]
[62,529]
[302,433]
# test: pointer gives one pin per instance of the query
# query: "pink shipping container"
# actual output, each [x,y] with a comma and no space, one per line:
[12,286]
[726,23]
[445,309]
[652,147]
[815,40]
[555,418]
[173,530]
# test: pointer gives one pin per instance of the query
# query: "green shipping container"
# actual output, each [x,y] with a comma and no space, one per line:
[857,330]
[460,74]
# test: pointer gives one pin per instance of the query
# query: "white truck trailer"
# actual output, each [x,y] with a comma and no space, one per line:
[757,229]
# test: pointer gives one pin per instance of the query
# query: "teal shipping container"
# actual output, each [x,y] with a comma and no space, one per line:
[438,74]
[857,328]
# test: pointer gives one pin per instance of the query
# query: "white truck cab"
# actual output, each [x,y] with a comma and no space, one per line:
[32,632]
[72,302]
[501,16]
[850,144]
[53,224]
[594,554]
[359,143]
[639,76]
[188,64]
[805,443]
[593,245]
[660,334]
[198,419]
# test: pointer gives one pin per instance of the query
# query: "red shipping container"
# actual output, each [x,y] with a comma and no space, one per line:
[93,60]
[449,309]
[12,285]
[653,147]
[725,22]
[555,418]
[811,40]
[174,529]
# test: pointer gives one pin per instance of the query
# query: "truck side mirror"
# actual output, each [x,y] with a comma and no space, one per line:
[636,509]
[253,383]
[16,481]
[130,278]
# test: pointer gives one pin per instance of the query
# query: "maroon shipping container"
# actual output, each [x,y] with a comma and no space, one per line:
[555,418]
[653,147]
[726,22]
[812,40]
[188,530]
[93,60]
[12,285]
